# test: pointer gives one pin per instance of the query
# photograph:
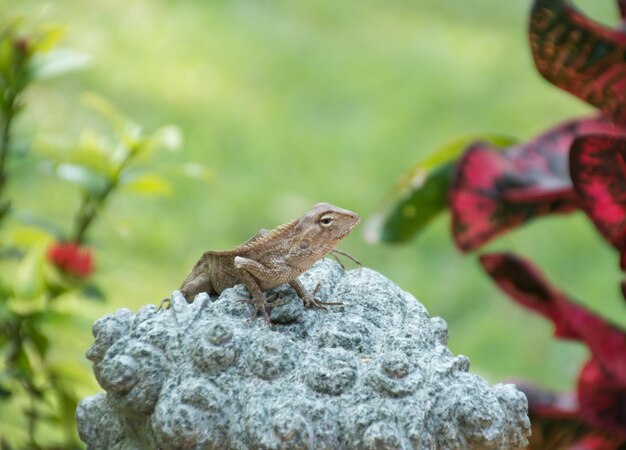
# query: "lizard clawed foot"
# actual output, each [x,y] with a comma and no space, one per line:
[310,301]
[163,302]
[261,304]
[269,302]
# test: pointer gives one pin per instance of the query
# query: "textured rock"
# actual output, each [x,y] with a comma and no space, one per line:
[373,375]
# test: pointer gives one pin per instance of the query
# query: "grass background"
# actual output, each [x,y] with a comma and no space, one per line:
[294,102]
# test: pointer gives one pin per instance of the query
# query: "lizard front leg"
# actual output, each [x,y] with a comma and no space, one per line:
[309,299]
[247,268]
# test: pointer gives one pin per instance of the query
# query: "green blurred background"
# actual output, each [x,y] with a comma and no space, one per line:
[294,102]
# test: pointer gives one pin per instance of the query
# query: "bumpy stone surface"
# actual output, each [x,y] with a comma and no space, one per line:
[375,374]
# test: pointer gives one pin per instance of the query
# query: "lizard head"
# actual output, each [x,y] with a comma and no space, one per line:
[320,230]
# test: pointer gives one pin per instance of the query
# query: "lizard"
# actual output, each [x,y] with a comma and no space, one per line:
[274,257]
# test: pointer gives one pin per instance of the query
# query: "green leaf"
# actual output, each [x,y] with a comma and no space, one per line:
[107,110]
[48,39]
[5,392]
[421,194]
[63,401]
[67,406]
[57,281]
[72,373]
[58,62]
[170,137]
[5,207]
[93,292]
[148,184]
[56,321]
[95,152]
[26,236]
[197,171]
[22,362]
[7,321]
[26,306]
[4,336]
[34,334]
[136,144]
[29,280]
[6,51]
[90,181]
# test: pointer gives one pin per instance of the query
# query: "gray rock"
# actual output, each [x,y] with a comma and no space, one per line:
[374,374]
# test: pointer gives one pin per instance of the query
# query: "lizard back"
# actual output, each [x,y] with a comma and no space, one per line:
[258,241]
[215,270]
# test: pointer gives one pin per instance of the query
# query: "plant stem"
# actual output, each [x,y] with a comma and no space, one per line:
[87,213]
[32,418]
[5,137]
[91,205]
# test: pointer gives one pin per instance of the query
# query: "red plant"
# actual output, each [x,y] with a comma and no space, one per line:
[579,55]
[598,168]
[71,259]
[599,406]
[580,164]
[494,190]
[577,165]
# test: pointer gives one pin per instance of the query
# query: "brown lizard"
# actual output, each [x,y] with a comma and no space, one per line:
[273,257]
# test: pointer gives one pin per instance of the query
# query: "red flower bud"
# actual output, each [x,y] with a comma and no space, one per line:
[71,258]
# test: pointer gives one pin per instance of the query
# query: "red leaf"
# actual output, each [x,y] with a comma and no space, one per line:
[602,399]
[579,55]
[494,190]
[622,8]
[522,281]
[598,170]
[598,442]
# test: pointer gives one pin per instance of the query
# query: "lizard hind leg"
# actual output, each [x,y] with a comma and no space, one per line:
[261,305]
[257,300]
[195,285]
[163,302]
[265,303]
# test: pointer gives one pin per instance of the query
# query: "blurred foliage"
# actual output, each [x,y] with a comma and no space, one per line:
[291,103]
[421,194]
[46,272]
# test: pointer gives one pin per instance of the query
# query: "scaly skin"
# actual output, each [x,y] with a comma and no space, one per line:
[273,257]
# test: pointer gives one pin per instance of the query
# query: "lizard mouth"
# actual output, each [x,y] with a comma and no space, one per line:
[349,228]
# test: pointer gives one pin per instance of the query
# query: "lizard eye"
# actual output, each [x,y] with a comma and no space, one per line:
[326,220]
